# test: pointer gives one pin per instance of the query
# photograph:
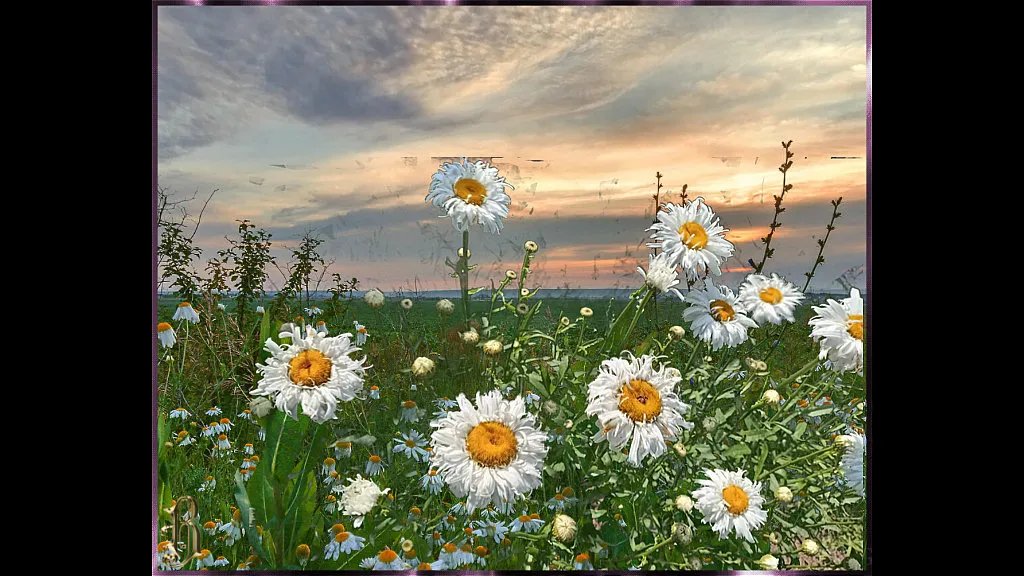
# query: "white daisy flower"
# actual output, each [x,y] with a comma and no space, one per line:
[247,463]
[529,523]
[204,558]
[374,298]
[388,560]
[769,300]
[342,449]
[730,503]
[450,555]
[717,316]
[184,439]
[490,529]
[633,401]
[216,427]
[223,443]
[221,307]
[374,465]
[225,424]
[436,565]
[207,432]
[489,453]
[245,415]
[411,445]
[331,503]
[213,411]
[180,413]
[692,237]
[374,392]
[233,529]
[432,482]
[361,333]
[167,557]
[328,466]
[315,371]
[221,561]
[313,311]
[321,328]
[853,462]
[260,310]
[165,333]
[840,328]
[409,411]
[661,273]
[367,563]
[186,312]
[458,509]
[470,193]
[583,562]
[343,542]
[529,397]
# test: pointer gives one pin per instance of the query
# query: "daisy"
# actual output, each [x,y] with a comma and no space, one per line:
[209,484]
[346,542]
[184,439]
[411,445]
[165,333]
[313,312]
[167,557]
[247,463]
[185,312]
[529,397]
[221,561]
[374,465]
[557,502]
[342,449]
[216,427]
[233,529]
[374,298]
[207,432]
[225,424]
[388,560]
[490,529]
[481,553]
[633,401]
[840,328]
[769,300]
[213,411]
[409,412]
[730,502]
[315,371]
[406,304]
[361,333]
[374,392]
[583,562]
[853,462]
[437,565]
[717,316]
[450,555]
[692,238]
[204,558]
[223,443]
[221,307]
[661,273]
[328,466]
[470,193]
[321,328]
[528,523]
[330,503]
[180,413]
[449,522]
[367,563]
[260,310]
[489,453]
[245,415]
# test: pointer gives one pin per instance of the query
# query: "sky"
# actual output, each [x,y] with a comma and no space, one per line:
[579,107]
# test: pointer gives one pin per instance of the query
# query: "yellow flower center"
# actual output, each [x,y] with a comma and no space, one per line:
[361,330]
[693,236]
[408,404]
[640,401]
[771,295]
[236,515]
[410,443]
[375,459]
[209,525]
[341,537]
[432,473]
[524,519]
[415,511]
[184,304]
[722,311]
[534,516]
[583,558]
[492,444]
[736,498]
[471,191]
[338,528]
[423,566]
[309,368]
[857,328]
[163,327]
[480,551]
[568,492]
[329,461]
[302,550]
[411,554]
[450,548]
[387,556]
[182,435]
[559,497]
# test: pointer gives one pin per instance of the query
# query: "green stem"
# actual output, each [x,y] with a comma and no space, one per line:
[800,459]
[464,275]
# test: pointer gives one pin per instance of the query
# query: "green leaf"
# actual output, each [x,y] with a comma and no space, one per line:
[284,441]
[821,411]
[246,509]
[161,436]
[800,427]
[364,440]
[736,450]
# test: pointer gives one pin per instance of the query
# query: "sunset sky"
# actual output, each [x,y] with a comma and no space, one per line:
[583,105]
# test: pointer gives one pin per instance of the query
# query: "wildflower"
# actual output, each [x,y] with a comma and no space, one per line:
[491,452]
[186,312]
[388,560]
[783,494]
[221,561]
[661,274]
[635,403]
[225,424]
[529,523]
[374,298]
[343,541]
[839,326]
[772,397]
[717,316]
[510,274]
[374,393]
[302,554]
[676,332]
[564,528]
[223,443]
[374,465]
[180,413]
[768,562]
[432,482]
[406,304]
[213,411]
[165,333]
[470,193]
[167,557]
[530,246]
[411,445]
[492,347]
[233,529]
[853,462]
[260,310]
[620,520]
[524,292]
[409,411]
[342,449]
[529,397]
[422,366]
[313,312]
[583,562]
[730,503]
[684,503]
[769,300]
[315,371]
[330,503]
[809,547]
[445,306]
[471,337]
[184,439]
[692,238]
[208,485]
[221,307]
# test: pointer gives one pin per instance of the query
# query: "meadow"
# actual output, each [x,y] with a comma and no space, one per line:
[562,434]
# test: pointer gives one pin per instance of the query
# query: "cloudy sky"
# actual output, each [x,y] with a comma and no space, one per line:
[579,107]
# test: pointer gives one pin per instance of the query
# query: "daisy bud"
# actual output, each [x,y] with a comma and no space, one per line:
[510,274]
[761,366]
[586,312]
[469,253]
[530,246]
[709,424]
[406,304]
[682,533]
[492,347]
[564,320]
[550,407]
[783,494]
[302,553]
[522,308]
[809,547]
[470,337]
[406,545]
[676,332]
[843,442]
[771,397]
[750,362]
[524,292]
[768,562]
[422,366]
[374,298]
[680,449]
[684,503]
[564,528]
[261,406]
[445,307]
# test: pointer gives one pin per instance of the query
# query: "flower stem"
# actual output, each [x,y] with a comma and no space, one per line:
[464,275]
